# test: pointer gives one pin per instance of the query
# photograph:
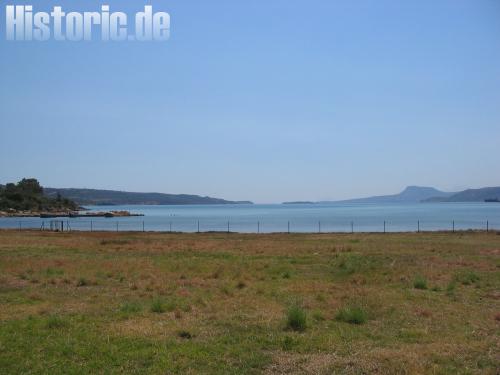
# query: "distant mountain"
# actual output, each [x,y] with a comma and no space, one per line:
[469,195]
[112,197]
[412,194]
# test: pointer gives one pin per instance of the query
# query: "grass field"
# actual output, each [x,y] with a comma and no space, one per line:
[80,303]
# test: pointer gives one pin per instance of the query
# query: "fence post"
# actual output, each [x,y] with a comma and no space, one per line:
[117,226]
[143,225]
[170,227]
[352,226]
[20,224]
[258,226]
[384,226]
[487,226]
[319,226]
[418,226]
[198,226]
[288,227]
[228,226]
[453,226]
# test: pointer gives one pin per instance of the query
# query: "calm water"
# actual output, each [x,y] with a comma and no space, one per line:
[275,218]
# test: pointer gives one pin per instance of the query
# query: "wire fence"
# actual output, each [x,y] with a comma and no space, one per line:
[248,226]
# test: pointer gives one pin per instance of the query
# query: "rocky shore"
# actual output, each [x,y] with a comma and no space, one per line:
[16,213]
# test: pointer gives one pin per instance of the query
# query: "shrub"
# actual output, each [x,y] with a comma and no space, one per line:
[467,277]
[352,315]
[296,318]
[286,275]
[157,306]
[420,283]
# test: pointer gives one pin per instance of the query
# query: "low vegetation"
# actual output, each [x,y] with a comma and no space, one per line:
[296,318]
[211,303]
[420,282]
[352,315]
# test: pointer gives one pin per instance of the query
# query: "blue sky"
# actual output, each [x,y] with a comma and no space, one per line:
[264,100]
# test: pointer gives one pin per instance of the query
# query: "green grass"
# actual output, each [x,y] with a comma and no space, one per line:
[130,308]
[55,321]
[157,303]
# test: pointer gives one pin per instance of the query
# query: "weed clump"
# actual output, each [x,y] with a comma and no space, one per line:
[288,343]
[55,321]
[296,318]
[318,316]
[157,306]
[467,277]
[130,308]
[420,282]
[450,288]
[49,272]
[352,315]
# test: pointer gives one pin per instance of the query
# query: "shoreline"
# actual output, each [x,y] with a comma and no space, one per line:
[232,233]
[68,214]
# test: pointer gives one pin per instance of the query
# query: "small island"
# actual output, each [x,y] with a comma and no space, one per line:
[26,199]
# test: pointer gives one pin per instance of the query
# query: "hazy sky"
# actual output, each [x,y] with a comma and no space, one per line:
[267,100]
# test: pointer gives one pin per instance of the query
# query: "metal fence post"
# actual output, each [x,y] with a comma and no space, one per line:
[384,226]
[288,227]
[352,227]
[453,226]
[143,225]
[418,226]
[228,226]
[91,226]
[258,226]
[117,226]
[198,226]
[487,226]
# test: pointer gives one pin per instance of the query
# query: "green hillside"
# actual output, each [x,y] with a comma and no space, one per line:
[113,197]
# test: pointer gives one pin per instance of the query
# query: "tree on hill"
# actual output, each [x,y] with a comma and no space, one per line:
[27,195]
